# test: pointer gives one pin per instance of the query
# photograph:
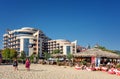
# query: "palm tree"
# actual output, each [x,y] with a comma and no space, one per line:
[70,57]
[23,56]
[13,53]
[47,55]
[56,52]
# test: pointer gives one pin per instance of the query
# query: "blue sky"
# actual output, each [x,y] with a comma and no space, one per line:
[88,21]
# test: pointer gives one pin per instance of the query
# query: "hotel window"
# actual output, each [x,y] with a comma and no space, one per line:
[68,49]
[26,44]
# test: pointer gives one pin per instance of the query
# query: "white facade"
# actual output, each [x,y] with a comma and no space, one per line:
[64,46]
[26,39]
[22,44]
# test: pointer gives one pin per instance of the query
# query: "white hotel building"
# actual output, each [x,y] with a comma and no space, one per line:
[26,39]
[64,46]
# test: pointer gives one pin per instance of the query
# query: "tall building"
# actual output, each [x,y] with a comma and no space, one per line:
[64,46]
[29,40]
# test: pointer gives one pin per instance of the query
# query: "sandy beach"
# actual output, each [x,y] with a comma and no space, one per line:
[39,71]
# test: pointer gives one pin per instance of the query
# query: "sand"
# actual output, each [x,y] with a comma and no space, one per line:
[39,71]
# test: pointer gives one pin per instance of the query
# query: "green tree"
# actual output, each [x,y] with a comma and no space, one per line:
[56,51]
[13,53]
[102,48]
[23,55]
[0,50]
[83,62]
[105,49]
[116,51]
[47,55]
[32,57]
[69,56]
[6,53]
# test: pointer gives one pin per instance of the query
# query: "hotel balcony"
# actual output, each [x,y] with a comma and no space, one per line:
[54,43]
[34,42]
[73,50]
[14,47]
[12,36]
[4,42]
[5,39]
[17,46]
[12,40]
[34,46]
[6,36]
[17,42]
[34,52]
[54,46]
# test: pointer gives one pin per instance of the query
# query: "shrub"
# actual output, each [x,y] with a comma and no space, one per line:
[83,62]
[118,66]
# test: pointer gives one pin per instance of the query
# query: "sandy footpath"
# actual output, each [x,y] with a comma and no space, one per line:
[51,72]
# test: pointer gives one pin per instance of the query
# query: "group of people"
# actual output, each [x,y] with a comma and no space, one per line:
[78,67]
[84,67]
[27,64]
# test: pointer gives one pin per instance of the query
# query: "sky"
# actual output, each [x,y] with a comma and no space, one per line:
[89,22]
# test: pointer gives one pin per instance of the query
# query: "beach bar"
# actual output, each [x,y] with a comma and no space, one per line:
[96,56]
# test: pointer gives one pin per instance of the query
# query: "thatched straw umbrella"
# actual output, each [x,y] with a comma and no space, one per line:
[58,56]
[96,53]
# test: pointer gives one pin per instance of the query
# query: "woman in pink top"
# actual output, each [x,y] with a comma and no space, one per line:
[27,64]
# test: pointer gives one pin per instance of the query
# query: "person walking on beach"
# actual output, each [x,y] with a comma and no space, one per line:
[27,64]
[15,64]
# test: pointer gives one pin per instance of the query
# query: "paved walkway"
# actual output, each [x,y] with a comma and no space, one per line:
[51,72]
